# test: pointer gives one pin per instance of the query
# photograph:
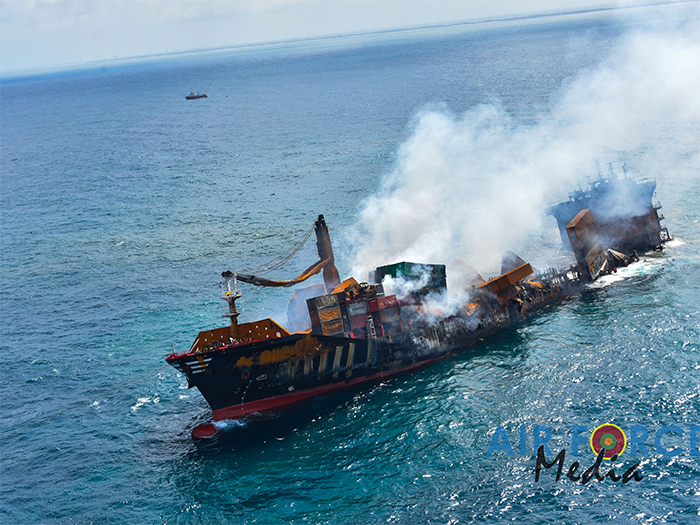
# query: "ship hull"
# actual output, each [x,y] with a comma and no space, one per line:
[291,399]
[358,334]
[269,375]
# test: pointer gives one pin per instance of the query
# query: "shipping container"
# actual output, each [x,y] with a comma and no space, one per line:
[325,301]
[360,333]
[390,314]
[387,302]
[315,321]
[357,308]
[332,327]
[410,270]
[329,314]
[358,321]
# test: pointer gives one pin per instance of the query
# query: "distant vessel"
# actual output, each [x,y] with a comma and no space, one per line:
[351,332]
[194,95]
[625,215]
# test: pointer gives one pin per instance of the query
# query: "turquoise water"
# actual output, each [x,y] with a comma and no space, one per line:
[121,203]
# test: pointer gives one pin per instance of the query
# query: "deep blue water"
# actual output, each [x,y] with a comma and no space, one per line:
[121,203]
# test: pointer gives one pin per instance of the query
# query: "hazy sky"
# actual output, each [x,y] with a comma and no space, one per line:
[47,33]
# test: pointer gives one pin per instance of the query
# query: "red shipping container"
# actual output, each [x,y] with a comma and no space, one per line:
[387,302]
[373,305]
[358,321]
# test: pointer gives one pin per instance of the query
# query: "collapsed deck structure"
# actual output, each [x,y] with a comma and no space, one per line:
[351,332]
[626,217]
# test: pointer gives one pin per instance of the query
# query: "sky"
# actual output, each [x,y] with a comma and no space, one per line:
[45,34]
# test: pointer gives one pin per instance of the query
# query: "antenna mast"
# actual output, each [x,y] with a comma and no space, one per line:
[610,167]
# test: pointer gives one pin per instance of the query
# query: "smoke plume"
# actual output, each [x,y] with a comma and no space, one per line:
[473,185]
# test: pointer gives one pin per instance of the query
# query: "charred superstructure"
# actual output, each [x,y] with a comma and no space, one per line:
[353,332]
[625,215]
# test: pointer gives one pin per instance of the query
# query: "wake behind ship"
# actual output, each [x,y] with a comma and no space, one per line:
[351,332]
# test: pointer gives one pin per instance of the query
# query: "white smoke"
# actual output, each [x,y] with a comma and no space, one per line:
[434,306]
[403,288]
[474,185]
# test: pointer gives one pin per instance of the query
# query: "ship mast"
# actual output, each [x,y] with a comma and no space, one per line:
[230,295]
[331,278]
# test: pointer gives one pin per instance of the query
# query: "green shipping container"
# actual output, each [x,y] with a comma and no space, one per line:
[410,270]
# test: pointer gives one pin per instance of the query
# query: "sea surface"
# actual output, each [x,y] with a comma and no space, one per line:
[121,203]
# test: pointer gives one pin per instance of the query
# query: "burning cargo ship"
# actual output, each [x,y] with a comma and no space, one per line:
[352,332]
[625,215]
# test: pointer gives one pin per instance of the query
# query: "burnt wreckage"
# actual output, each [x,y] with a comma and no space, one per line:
[351,332]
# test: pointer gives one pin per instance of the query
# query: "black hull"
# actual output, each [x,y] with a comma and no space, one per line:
[267,375]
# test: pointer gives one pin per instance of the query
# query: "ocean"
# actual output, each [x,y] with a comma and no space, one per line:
[121,203]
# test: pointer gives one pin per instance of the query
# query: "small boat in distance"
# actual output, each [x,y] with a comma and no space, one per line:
[194,95]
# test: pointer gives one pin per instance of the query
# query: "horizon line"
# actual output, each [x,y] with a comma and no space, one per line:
[67,67]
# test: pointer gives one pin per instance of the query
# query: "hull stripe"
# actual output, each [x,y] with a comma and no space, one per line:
[198,362]
[270,403]
[336,361]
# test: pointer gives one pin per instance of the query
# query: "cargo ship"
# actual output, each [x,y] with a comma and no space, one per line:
[349,332]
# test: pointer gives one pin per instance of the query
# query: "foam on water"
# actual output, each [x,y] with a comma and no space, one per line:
[230,424]
[675,242]
[645,266]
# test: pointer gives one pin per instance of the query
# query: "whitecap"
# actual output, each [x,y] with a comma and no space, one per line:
[141,401]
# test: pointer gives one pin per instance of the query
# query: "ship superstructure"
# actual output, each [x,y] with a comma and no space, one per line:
[625,214]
